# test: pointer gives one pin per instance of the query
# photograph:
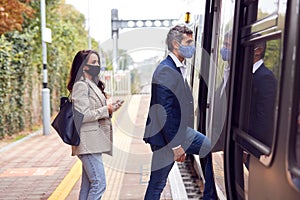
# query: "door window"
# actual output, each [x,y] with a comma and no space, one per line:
[266,8]
[260,111]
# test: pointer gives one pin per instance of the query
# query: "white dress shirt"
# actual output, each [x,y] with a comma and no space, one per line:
[179,64]
[257,65]
[183,72]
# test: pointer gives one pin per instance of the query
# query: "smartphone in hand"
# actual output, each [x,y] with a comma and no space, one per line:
[120,102]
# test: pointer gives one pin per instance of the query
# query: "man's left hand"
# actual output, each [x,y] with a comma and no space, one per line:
[182,158]
[179,154]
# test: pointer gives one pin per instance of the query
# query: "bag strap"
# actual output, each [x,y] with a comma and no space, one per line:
[69,96]
[97,95]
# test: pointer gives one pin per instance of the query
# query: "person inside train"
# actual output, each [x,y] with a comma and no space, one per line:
[263,98]
[171,113]
[90,99]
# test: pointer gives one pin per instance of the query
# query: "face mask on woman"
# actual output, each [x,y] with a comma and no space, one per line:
[93,70]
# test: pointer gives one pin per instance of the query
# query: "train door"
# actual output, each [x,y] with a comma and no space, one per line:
[213,70]
[217,100]
[211,73]
[261,158]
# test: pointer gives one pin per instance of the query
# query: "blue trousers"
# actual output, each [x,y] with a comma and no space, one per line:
[93,182]
[210,192]
[162,163]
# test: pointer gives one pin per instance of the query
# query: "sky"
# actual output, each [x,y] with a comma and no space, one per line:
[141,44]
[98,16]
[100,12]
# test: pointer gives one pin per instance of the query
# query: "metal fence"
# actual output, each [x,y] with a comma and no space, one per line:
[116,83]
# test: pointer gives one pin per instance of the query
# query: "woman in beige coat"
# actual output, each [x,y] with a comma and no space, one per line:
[89,98]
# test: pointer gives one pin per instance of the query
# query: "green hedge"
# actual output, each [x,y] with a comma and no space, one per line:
[21,65]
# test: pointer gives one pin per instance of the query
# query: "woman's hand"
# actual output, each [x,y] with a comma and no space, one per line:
[112,107]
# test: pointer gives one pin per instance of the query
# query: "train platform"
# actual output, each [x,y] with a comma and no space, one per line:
[41,166]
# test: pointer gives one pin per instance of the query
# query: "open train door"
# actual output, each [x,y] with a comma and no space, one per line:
[262,149]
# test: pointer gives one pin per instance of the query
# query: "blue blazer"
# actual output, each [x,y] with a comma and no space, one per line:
[171,108]
[262,107]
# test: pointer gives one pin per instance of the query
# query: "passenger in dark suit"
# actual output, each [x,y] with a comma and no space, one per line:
[169,128]
[262,107]
[264,87]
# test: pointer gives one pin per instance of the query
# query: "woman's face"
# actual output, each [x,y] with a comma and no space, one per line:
[92,66]
[93,60]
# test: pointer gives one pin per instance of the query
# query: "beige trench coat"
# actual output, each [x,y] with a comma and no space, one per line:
[96,128]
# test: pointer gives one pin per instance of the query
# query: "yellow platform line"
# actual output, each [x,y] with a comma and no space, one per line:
[67,184]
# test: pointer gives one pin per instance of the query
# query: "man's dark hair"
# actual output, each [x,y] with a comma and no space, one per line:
[176,33]
[262,44]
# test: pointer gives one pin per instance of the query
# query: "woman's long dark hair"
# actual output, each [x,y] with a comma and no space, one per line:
[76,73]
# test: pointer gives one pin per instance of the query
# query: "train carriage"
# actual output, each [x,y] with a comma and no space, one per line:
[251,113]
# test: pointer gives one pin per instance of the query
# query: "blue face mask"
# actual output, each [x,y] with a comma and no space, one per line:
[187,51]
[226,53]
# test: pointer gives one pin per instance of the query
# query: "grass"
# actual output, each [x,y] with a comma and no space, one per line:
[18,136]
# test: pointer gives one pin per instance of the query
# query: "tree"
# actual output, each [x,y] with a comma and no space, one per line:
[12,14]
[21,61]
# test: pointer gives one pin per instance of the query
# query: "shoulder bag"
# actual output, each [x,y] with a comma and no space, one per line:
[67,123]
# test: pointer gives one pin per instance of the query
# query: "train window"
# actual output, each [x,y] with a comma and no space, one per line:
[266,8]
[261,110]
[263,16]
[219,76]
[220,90]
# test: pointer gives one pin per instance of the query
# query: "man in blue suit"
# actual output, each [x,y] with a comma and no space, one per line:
[169,127]
[263,98]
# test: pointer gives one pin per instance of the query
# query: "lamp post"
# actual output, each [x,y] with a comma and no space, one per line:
[89,27]
[115,34]
[46,36]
